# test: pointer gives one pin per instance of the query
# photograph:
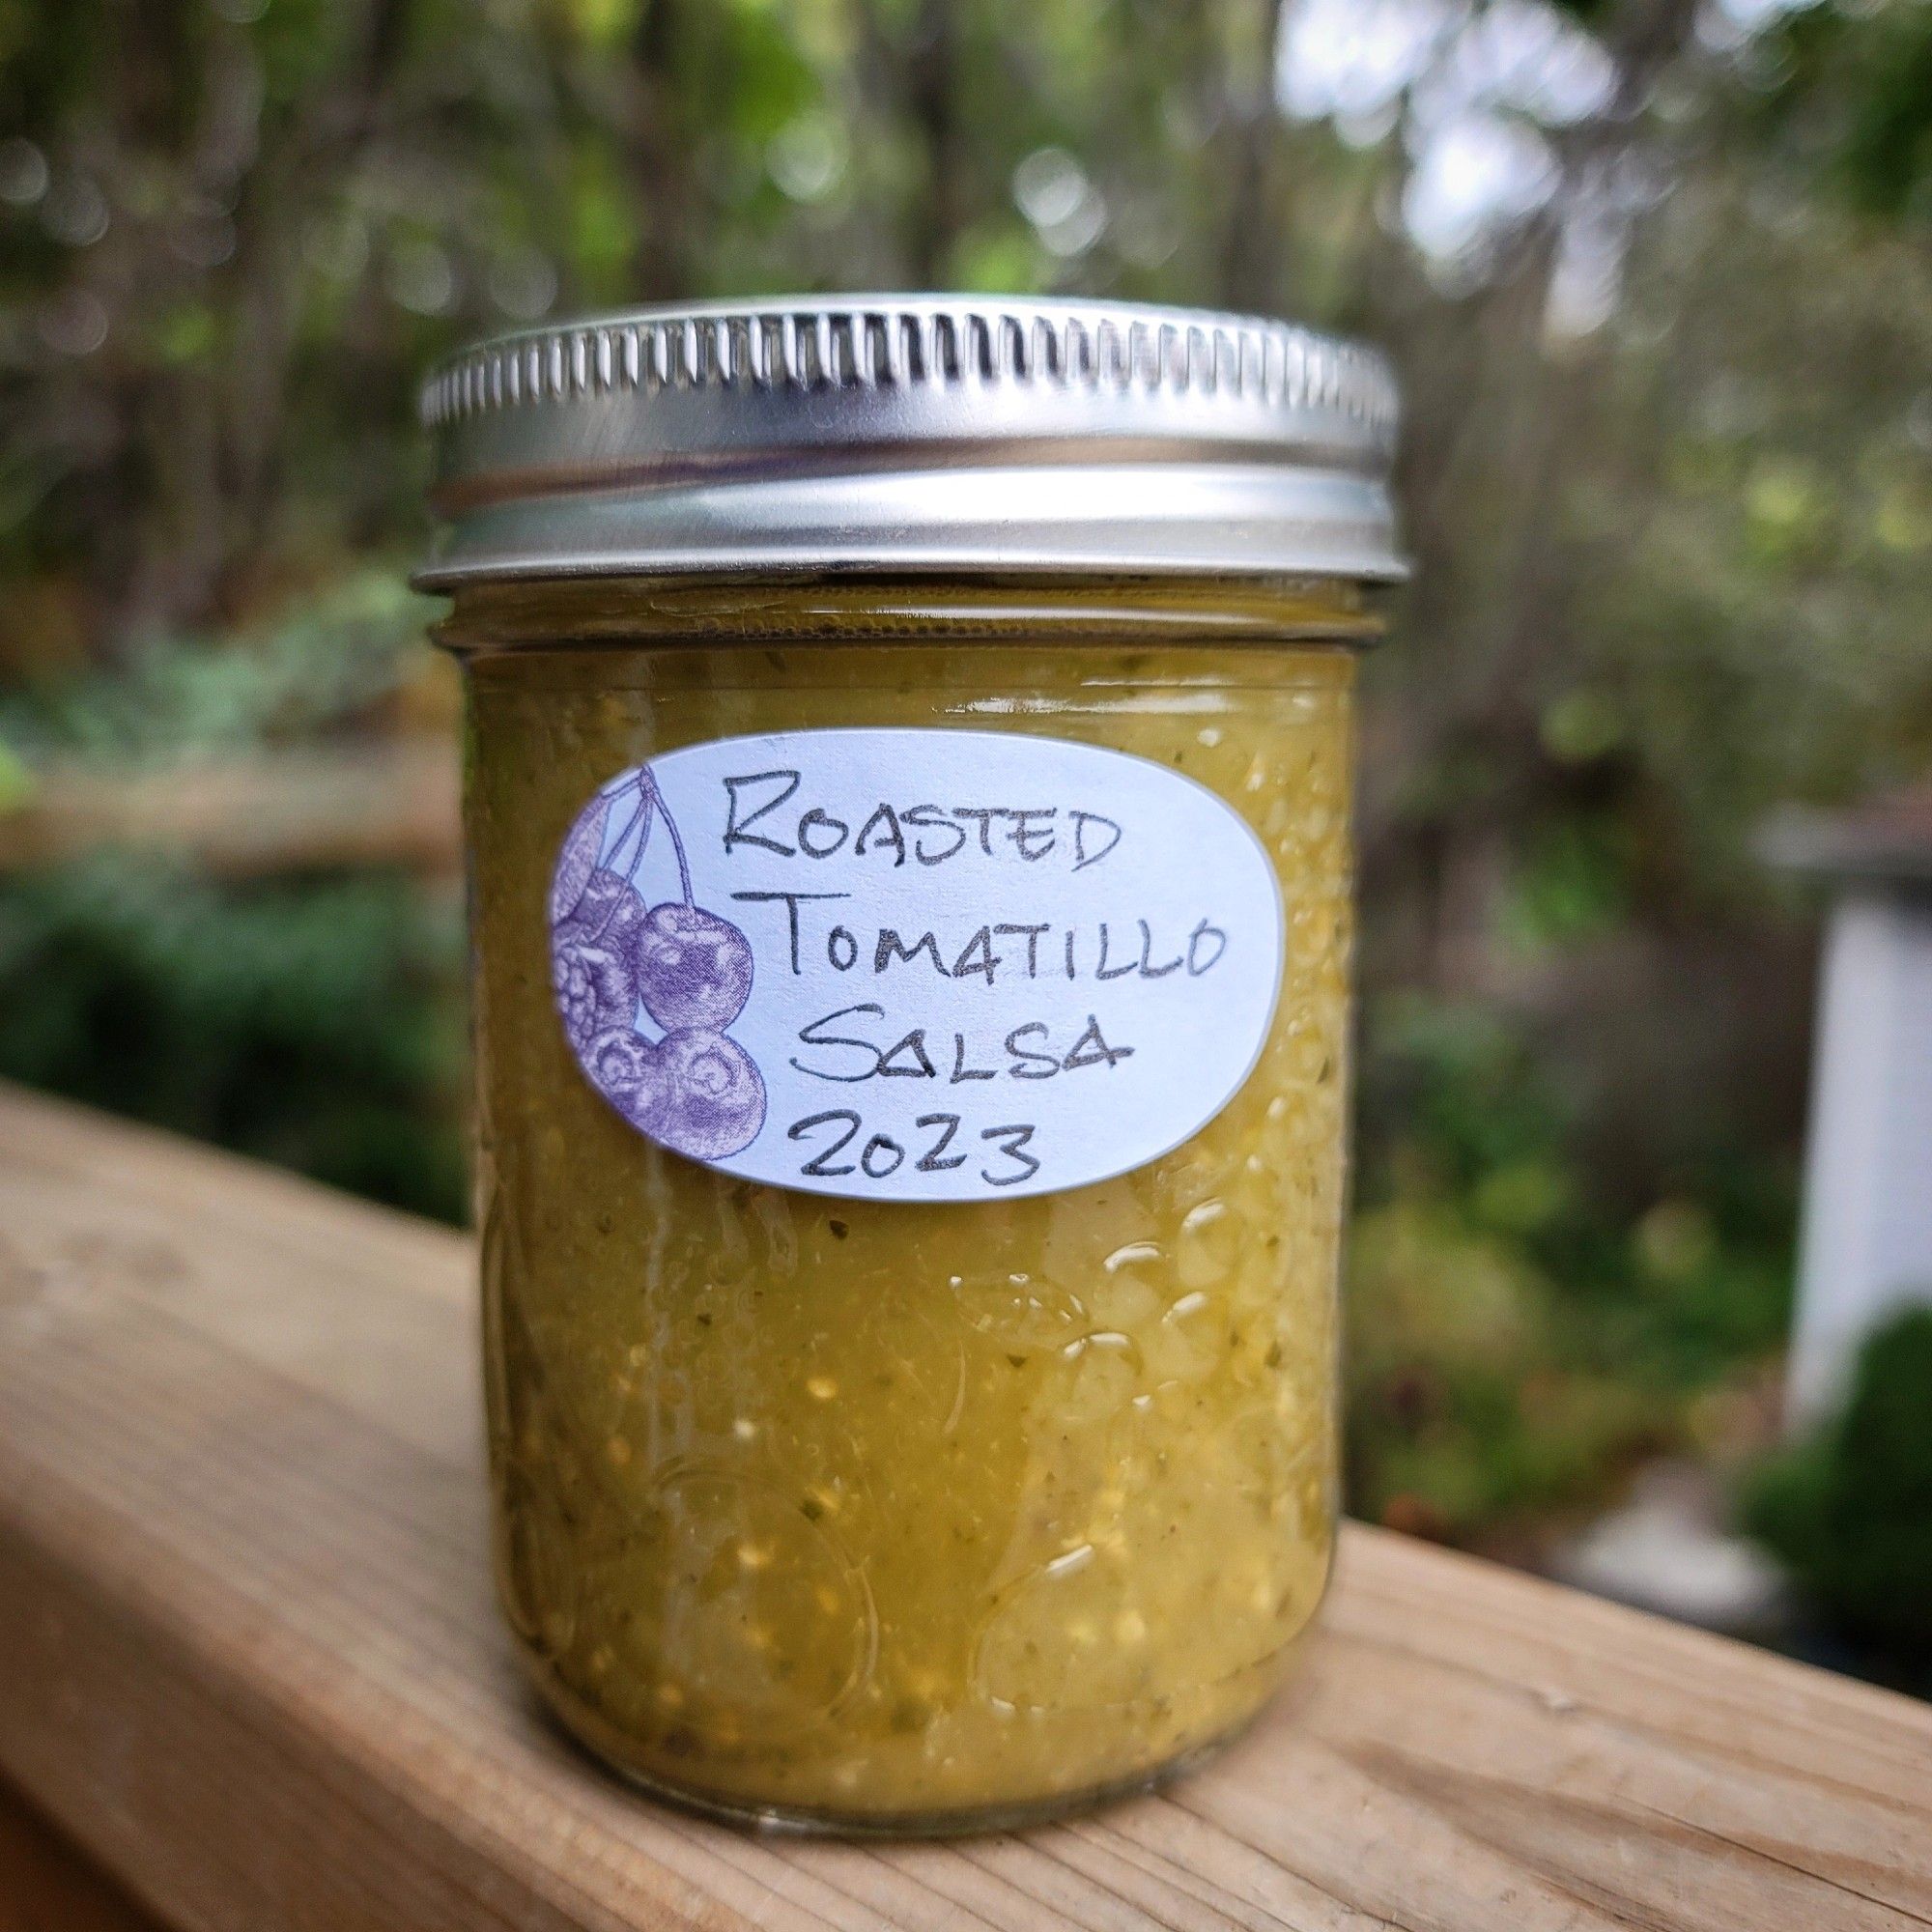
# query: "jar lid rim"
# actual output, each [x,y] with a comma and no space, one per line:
[720,435]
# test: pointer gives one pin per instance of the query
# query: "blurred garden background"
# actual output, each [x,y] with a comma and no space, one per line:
[1658,278]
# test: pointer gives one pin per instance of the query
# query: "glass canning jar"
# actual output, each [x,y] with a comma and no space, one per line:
[908,802]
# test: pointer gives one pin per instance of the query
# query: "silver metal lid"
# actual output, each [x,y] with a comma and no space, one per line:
[908,433]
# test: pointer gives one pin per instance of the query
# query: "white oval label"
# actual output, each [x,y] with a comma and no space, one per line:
[914,965]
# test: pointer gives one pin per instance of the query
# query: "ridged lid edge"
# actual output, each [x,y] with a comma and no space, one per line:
[909,342]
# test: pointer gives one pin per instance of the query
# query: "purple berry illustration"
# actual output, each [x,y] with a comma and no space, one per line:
[629,1071]
[596,986]
[578,858]
[714,1099]
[611,913]
[596,914]
[694,968]
[695,1092]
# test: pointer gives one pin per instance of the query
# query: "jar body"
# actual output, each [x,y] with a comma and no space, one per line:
[900,1514]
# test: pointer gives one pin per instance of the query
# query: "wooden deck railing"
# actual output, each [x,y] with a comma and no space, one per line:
[249,1660]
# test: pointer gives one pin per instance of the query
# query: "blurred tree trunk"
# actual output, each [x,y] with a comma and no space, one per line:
[914,76]
[210,435]
[664,157]
[932,96]
[1493,417]
[1257,219]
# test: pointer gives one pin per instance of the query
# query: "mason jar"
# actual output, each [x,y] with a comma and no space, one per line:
[908,789]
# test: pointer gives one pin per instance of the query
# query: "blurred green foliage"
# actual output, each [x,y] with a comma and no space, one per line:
[314,1020]
[1656,275]
[1515,1344]
[331,663]
[315,1024]
[1850,1511]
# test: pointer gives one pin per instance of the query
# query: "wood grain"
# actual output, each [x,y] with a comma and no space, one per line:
[252,1664]
[46,1886]
[390,802]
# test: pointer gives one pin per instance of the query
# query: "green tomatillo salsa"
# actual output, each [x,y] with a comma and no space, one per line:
[882,1509]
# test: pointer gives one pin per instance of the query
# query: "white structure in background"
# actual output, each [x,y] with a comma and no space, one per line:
[1865,1248]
